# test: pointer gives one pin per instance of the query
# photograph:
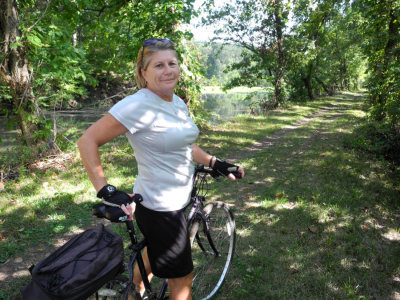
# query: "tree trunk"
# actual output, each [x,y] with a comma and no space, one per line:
[14,71]
[279,72]
[393,34]
[307,82]
[326,88]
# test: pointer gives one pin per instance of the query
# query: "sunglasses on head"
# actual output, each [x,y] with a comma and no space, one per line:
[155,41]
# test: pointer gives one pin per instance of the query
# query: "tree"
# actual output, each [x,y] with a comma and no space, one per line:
[215,57]
[70,45]
[17,73]
[381,26]
[323,48]
[258,27]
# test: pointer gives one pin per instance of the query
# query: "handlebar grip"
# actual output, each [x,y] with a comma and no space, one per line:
[114,214]
[237,174]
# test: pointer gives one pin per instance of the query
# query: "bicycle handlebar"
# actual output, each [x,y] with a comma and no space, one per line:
[112,213]
[200,168]
[116,214]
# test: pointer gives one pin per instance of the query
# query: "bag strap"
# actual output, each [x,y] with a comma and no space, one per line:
[56,280]
[58,260]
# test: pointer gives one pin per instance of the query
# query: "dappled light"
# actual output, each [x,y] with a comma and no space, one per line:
[307,216]
[310,214]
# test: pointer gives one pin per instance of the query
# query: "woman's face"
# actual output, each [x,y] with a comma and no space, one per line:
[162,74]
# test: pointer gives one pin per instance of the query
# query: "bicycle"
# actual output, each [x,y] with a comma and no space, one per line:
[212,236]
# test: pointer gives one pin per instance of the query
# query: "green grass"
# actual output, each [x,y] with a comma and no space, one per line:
[315,219]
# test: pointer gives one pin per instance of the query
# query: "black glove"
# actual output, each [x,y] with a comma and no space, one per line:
[224,168]
[112,197]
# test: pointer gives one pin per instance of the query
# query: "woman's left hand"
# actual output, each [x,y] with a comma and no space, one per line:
[232,177]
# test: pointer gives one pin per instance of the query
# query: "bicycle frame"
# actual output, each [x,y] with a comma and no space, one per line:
[196,212]
[136,256]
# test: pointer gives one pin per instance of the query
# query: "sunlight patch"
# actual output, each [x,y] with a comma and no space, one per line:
[392,235]
[55,217]
[347,263]
[288,206]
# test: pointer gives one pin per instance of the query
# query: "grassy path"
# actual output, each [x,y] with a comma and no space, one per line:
[315,220]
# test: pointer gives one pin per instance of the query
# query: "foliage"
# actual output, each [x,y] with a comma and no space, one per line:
[317,52]
[378,139]
[216,57]
[189,88]
[323,49]
[381,25]
[257,27]
[302,49]
[380,28]
[73,46]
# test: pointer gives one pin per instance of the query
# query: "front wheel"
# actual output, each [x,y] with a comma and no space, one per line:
[213,238]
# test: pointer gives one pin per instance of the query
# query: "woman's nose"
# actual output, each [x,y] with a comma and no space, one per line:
[167,69]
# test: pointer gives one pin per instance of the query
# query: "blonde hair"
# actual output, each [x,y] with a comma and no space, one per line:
[145,54]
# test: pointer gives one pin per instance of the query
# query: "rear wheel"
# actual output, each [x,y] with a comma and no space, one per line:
[212,249]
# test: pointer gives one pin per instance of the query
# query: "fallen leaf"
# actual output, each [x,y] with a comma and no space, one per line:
[280,195]
[294,268]
[313,229]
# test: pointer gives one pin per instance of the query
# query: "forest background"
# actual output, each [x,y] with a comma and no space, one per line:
[317,214]
[58,54]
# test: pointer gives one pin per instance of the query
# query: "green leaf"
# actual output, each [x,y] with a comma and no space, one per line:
[34,40]
[15,45]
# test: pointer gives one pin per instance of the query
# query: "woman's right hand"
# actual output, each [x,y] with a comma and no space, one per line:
[130,209]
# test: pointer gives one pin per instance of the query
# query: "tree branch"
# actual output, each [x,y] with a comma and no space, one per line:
[40,18]
[100,11]
[117,94]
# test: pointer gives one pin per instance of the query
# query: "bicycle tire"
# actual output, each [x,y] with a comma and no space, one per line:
[210,270]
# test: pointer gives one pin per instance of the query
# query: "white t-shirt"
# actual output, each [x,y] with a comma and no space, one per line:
[161,133]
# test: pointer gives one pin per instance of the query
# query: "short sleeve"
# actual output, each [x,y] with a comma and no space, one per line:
[133,112]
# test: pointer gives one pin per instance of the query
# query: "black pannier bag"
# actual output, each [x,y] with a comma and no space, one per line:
[78,268]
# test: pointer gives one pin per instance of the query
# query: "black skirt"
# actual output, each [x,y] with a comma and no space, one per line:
[168,245]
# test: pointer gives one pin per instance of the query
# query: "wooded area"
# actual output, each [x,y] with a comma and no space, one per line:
[315,219]
[57,53]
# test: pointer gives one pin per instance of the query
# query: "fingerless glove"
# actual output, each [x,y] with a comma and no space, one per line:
[113,197]
[222,167]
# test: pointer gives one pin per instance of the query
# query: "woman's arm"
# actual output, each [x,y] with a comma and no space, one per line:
[202,157]
[101,132]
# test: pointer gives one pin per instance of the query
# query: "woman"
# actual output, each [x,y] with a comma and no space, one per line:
[159,129]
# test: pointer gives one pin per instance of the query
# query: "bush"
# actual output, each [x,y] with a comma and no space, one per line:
[379,139]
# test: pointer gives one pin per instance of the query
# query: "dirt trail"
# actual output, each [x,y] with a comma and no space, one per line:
[271,140]
[17,267]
